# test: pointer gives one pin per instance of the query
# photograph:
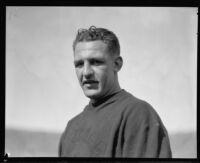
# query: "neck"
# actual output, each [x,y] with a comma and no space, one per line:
[96,102]
[115,90]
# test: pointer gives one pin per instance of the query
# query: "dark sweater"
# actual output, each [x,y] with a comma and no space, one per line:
[116,126]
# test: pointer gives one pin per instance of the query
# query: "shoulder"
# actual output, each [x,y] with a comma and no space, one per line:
[140,110]
[72,125]
[139,115]
[76,120]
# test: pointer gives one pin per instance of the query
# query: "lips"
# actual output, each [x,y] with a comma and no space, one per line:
[90,82]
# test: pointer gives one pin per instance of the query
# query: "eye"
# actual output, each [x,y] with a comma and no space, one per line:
[96,62]
[78,64]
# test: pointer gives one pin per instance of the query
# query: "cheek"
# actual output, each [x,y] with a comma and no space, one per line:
[78,74]
[109,77]
[104,75]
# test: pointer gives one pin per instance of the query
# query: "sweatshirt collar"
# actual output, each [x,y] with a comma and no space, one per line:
[105,100]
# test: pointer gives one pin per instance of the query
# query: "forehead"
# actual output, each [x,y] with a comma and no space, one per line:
[90,47]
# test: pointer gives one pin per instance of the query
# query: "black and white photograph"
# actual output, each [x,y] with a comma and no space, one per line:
[111,82]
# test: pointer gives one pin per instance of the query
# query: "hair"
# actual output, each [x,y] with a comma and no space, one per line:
[94,34]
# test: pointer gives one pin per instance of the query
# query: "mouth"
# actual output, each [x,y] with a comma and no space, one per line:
[90,82]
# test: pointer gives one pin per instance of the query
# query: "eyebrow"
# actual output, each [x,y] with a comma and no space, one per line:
[90,59]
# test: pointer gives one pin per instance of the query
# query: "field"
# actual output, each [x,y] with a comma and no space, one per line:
[21,143]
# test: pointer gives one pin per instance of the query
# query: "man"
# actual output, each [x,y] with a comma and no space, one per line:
[114,123]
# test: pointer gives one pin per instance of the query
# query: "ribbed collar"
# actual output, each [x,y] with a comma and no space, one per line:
[105,100]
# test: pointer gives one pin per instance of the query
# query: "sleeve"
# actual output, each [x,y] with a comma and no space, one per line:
[61,143]
[145,135]
[60,147]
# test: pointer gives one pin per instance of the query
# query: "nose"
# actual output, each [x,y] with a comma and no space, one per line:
[87,71]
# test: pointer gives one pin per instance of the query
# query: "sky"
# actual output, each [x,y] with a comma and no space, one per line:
[158,46]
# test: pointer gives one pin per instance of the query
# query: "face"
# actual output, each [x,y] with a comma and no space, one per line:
[94,68]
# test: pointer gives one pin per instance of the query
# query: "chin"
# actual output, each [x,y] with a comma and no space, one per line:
[92,94]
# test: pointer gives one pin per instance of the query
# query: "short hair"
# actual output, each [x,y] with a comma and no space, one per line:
[94,34]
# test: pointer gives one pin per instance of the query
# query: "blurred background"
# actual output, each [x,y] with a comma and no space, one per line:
[159,48]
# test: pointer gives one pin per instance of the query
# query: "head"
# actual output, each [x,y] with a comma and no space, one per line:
[97,61]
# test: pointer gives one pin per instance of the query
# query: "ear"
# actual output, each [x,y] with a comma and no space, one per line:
[118,62]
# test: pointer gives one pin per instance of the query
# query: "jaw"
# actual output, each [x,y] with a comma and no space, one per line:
[95,91]
[91,93]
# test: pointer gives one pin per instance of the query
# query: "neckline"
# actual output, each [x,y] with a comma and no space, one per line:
[106,99]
